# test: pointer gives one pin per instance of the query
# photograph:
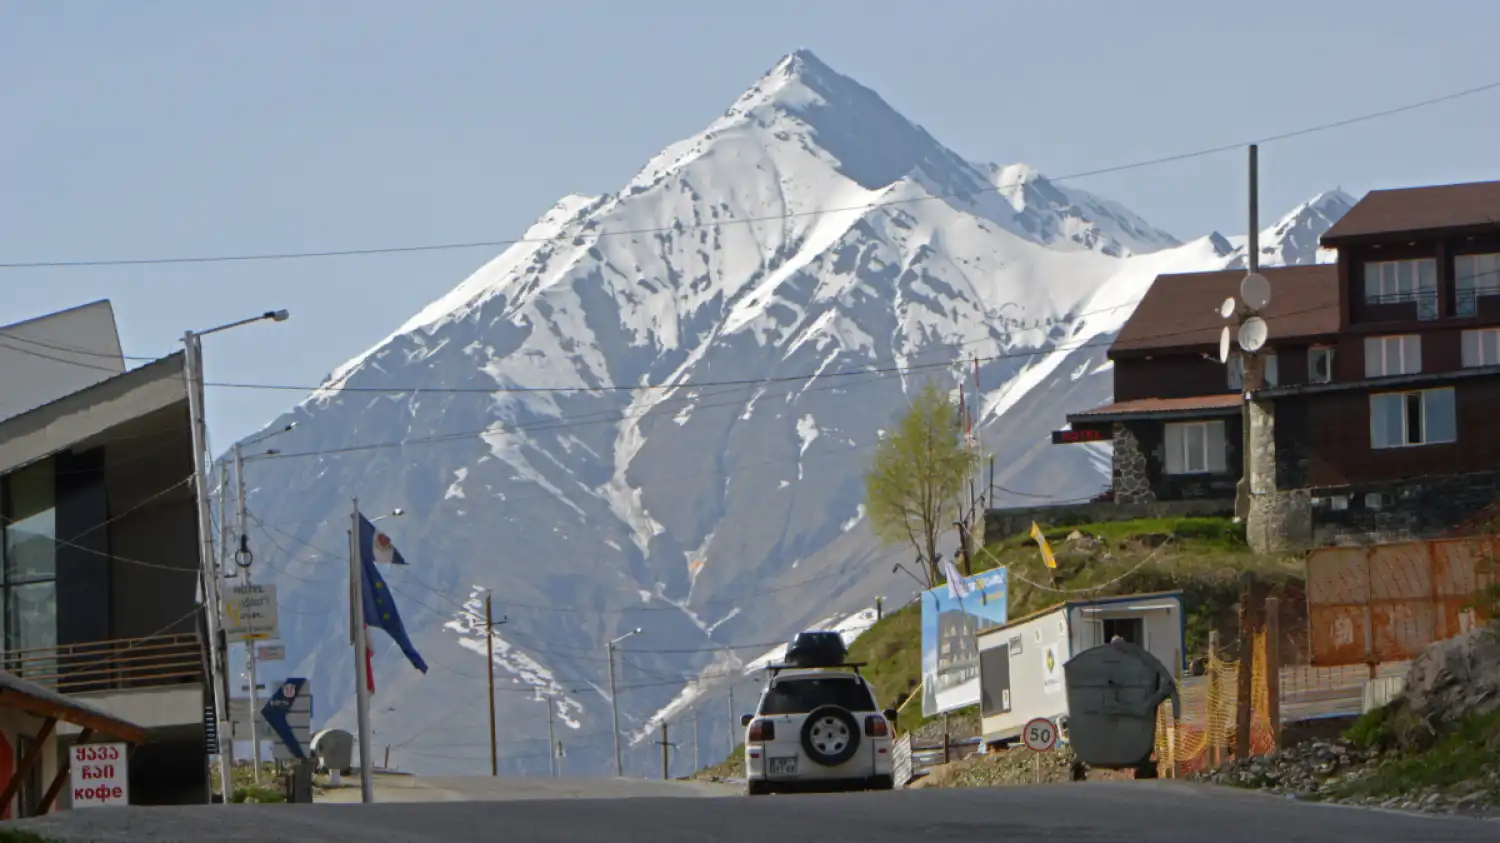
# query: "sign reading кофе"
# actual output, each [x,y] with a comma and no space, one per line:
[100,775]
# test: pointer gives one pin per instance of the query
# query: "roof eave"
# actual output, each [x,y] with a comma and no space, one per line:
[1333,240]
[1146,415]
[1374,384]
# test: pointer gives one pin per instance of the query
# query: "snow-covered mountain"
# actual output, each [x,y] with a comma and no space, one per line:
[655,411]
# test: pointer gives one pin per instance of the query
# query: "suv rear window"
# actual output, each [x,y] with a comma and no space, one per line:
[800,696]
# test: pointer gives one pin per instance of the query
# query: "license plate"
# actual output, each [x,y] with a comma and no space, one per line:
[783,766]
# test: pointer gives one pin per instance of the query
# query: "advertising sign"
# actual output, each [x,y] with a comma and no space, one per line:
[250,612]
[950,655]
[100,775]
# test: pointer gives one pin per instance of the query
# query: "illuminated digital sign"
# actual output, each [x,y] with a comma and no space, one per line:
[1070,437]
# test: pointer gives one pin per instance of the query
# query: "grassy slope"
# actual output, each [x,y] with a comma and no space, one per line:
[1466,754]
[1203,557]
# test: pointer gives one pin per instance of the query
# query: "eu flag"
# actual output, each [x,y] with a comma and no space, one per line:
[380,606]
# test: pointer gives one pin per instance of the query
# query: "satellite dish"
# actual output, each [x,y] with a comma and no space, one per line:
[1224,345]
[1255,290]
[1253,334]
[334,749]
[1228,308]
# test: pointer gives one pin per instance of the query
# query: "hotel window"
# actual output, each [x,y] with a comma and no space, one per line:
[1393,355]
[1195,448]
[1481,347]
[1393,282]
[1404,419]
[1320,364]
[1475,276]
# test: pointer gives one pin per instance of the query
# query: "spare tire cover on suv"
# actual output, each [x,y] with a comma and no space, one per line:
[830,735]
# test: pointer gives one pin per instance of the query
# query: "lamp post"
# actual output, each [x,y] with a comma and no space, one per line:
[614,701]
[209,571]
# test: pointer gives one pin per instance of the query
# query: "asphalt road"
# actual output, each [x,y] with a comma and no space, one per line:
[1094,812]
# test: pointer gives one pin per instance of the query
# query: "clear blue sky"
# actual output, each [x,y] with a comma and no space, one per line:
[136,130]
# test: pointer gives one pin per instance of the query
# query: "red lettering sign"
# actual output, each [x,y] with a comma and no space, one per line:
[99,793]
[1068,437]
[101,775]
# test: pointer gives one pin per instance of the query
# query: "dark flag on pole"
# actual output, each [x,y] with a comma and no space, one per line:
[379,604]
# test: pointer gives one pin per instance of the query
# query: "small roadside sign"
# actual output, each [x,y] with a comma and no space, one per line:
[100,775]
[271,652]
[1040,735]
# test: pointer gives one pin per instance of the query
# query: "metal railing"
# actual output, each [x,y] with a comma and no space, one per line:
[1425,299]
[1466,299]
[160,660]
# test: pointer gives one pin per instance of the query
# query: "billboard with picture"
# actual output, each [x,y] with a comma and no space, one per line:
[950,655]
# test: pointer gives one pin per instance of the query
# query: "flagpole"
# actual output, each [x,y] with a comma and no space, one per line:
[361,668]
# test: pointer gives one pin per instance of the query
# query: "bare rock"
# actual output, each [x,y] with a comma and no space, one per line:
[1454,679]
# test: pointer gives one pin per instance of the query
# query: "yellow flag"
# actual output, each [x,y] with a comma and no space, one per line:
[1041,542]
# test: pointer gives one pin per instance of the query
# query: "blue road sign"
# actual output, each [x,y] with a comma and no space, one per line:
[278,707]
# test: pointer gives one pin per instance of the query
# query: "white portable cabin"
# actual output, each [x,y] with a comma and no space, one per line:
[1021,662]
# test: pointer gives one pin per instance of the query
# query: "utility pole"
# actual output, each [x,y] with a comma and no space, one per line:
[1248,368]
[614,701]
[697,756]
[551,738]
[666,753]
[243,559]
[208,569]
[489,662]
[733,719]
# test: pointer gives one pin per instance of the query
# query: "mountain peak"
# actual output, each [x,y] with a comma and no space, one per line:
[802,62]
[1293,240]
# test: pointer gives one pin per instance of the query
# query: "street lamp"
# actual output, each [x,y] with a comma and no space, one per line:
[208,567]
[395,513]
[614,701]
[899,567]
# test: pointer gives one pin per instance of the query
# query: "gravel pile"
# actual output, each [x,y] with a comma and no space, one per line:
[1329,771]
[1007,767]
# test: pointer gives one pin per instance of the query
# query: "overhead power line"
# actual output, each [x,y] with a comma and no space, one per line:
[682,226]
[566,422]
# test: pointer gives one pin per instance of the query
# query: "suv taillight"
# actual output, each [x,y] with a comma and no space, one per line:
[876,727]
[762,730]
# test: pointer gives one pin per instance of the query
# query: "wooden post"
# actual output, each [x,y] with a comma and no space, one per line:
[1174,767]
[1245,684]
[1273,669]
[387,756]
[33,755]
[945,738]
[1215,695]
[62,774]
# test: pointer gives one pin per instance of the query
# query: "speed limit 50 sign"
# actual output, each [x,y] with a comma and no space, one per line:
[1040,735]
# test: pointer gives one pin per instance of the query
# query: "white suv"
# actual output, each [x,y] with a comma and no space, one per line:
[817,729]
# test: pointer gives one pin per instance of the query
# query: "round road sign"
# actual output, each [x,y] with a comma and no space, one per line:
[1040,735]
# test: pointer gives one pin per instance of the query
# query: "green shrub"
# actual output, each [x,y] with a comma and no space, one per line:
[1372,730]
[257,794]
